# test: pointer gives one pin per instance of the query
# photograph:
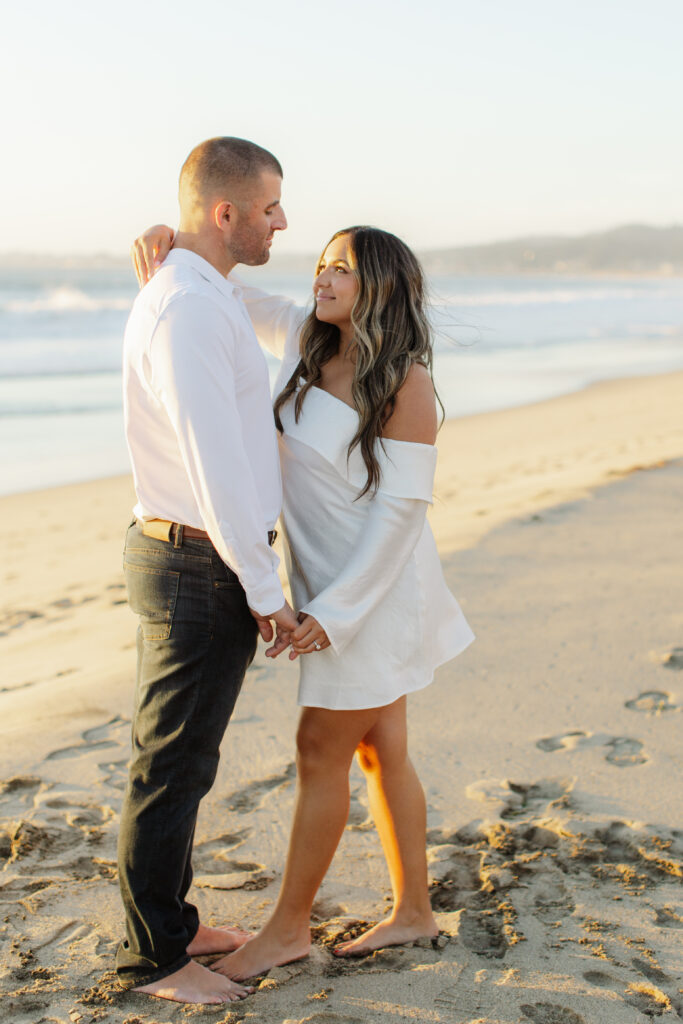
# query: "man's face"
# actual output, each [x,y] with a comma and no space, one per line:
[256,219]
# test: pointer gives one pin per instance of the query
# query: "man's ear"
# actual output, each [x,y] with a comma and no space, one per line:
[223,213]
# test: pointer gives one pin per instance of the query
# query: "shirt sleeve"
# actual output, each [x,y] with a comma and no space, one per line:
[193,375]
[277,320]
[390,533]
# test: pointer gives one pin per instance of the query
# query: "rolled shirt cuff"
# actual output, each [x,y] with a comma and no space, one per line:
[267,598]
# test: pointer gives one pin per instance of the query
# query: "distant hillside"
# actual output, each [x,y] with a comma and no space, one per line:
[632,249]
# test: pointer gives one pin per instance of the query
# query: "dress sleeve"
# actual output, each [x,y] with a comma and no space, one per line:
[390,533]
[195,383]
[276,320]
[394,525]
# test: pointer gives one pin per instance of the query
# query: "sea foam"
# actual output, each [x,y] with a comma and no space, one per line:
[64,299]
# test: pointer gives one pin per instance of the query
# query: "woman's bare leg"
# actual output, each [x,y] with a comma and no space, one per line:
[326,742]
[398,808]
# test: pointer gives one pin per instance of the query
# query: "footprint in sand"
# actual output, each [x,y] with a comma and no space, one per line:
[673,658]
[553,899]
[80,748]
[118,587]
[550,1013]
[217,849]
[20,790]
[625,752]
[458,886]
[465,884]
[565,741]
[622,751]
[19,686]
[53,824]
[521,799]
[215,868]
[482,933]
[359,819]
[651,702]
[666,917]
[649,971]
[16,619]
[242,801]
[24,838]
[88,817]
[98,738]
[28,785]
[239,878]
[548,794]
[68,602]
[647,999]
[116,775]
[247,720]
[448,999]
[600,979]
[63,934]
[324,909]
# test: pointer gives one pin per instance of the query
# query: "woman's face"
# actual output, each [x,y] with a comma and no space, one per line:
[335,286]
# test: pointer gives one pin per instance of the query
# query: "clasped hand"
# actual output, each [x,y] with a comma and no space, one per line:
[304,634]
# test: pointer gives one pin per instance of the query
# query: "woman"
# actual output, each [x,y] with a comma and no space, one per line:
[356,413]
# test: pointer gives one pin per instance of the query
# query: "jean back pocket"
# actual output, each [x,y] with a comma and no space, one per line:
[152,595]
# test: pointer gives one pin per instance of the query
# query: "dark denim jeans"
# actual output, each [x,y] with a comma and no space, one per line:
[196,639]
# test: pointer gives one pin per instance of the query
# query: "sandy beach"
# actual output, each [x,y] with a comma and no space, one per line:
[550,751]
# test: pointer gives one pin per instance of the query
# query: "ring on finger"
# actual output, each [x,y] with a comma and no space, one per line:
[317,645]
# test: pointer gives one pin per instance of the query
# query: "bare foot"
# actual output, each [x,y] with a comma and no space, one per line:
[392,932]
[195,984]
[217,940]
[264,951]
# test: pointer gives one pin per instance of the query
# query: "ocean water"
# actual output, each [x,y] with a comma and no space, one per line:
[500,342]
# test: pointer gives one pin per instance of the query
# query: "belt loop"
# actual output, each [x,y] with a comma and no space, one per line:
[178,536]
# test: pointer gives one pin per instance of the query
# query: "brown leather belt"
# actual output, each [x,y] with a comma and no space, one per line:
[164,529]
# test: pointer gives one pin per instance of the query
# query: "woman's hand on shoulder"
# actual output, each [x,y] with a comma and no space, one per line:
[149,251]
[414,415]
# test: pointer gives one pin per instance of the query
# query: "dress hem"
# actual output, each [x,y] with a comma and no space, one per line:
[338,705]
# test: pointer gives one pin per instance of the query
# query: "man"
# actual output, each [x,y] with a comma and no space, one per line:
[200,571]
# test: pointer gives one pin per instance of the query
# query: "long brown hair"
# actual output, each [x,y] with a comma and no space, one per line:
[391,332]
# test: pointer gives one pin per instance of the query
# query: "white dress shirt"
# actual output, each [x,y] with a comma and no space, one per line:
[199,419]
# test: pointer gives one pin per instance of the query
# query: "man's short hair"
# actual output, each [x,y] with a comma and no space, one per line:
[224,163]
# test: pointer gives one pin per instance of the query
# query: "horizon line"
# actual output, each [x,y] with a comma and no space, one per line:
[108,254]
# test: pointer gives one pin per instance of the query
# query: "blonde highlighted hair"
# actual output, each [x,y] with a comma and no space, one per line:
[391,332]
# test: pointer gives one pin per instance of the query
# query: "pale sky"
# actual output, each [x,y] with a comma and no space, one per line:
[447,122]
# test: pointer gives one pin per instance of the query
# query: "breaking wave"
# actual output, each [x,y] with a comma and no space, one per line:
[65,299]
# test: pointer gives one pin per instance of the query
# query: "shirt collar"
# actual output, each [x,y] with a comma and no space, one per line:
[186,257]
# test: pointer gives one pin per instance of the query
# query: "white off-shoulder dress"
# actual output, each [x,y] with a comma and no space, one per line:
[366,568]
